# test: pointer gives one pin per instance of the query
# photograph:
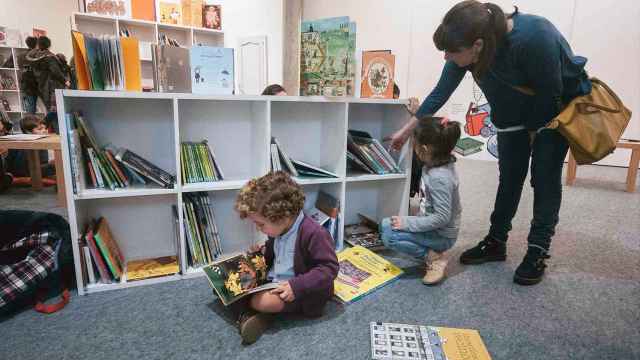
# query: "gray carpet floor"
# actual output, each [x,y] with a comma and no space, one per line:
[588,306]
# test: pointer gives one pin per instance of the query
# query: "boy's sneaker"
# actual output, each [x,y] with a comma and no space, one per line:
[436,265]
[486,250]
[531,270]
[252,325]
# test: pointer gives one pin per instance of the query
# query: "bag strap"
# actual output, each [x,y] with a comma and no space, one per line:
[521,89]
[584,107]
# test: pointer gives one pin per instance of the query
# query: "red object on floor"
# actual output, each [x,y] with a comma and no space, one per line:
[26,181]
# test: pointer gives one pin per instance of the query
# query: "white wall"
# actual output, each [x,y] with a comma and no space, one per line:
[51,15]
[242,18]
[407,26]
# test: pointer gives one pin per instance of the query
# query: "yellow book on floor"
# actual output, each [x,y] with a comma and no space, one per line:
[149,268]
[362,271]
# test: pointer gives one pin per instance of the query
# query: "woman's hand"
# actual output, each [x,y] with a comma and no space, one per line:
[396,222]
[284,291]
[399,138]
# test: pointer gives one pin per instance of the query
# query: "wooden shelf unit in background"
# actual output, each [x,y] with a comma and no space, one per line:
[239,130]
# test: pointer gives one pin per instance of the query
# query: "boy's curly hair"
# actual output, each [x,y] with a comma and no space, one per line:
[274,196]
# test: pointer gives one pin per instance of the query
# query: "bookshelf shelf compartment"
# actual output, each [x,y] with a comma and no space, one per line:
[89,194]
[96,288]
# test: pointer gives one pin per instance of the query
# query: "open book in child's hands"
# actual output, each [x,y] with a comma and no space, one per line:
[237,276]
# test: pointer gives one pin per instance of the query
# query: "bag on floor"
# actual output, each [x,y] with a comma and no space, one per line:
[36,260]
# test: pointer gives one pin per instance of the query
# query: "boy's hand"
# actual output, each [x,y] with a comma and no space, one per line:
[396,222]
[256,248]
[284,291]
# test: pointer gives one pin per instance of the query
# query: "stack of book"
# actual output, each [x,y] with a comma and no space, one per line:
[203,237]
[364,153]
[198,163]
[280,161]
[103,260]
[108,168]
[106,62]
[326,212]
[365,234]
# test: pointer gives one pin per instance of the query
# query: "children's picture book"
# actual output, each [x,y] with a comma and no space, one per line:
[117,8]
[143,10]
[327,61]
[378,70]
[305,169]
[149,268]
[238,276]
[171,68]
[212,17]
[212,70]
[467,146]
[391,341]
[170,12]
[365,234]
[362,272]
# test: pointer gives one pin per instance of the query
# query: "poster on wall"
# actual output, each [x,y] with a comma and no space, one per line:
[468,106]
[327,59]
[118,8]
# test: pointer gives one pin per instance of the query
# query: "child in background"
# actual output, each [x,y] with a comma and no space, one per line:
[17,159]
[299,253]
[5,129]
[435,228]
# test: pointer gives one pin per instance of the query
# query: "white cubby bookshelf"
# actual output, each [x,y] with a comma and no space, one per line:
[14,96]
[147,33]
[239,131]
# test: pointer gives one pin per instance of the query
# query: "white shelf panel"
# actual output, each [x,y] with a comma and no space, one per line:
[374,177]
[208,31]
[10,69]
[317,181]
[136,22]
[213,186]
[95,288]
[95,17]
[14,91]
[124,192]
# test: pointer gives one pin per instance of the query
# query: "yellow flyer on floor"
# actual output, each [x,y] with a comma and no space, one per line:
[361,272]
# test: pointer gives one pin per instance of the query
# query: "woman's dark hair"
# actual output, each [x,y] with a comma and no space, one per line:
[31,42]
[273,89]
[44,43]
[469,21]
[440,137]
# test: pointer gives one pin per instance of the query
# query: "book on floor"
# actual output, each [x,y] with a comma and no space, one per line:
[238,276]
[393,341]
[467,146]
[362,272]
[365,233]
[150,268]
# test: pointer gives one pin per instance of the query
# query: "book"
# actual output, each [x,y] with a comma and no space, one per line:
[109,248]
[150,268]
[310,170]
[171,68]
[378,70]
[117,8]
[143,10]
[284,157]
[145,168]
[212,70]
[467,146]
[362,272]
[196,8]
[238,276]
[365,234]
[393,341]
[201,229]
[212,17]
[97,258]
[88,265]
[170,12]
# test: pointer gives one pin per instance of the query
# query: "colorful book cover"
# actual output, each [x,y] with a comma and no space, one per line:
[378,69]
[150,268]
[109,248]
[212,16]
[238,276]
[362,272]
[196,9]
[392,341]
[172,69]
[117,8]
[170,12]
[95,253]
[143,9]
[131,60]
[212,70]
[95,62]
[327,63]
